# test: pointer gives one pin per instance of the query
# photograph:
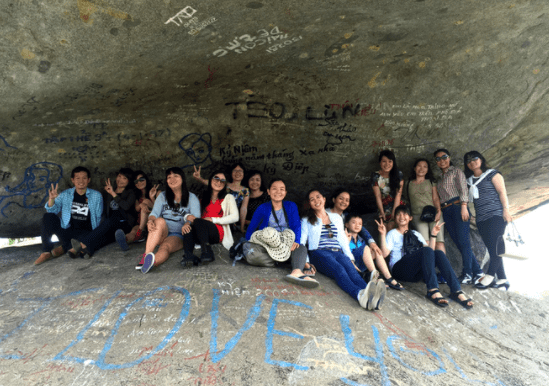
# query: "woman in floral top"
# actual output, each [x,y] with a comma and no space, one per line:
[387,185]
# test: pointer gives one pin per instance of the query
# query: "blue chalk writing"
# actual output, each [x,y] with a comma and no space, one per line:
[198,148]
[253,313]
[379,359]
[271,332]
[464,376]
[5,143]
[440,370]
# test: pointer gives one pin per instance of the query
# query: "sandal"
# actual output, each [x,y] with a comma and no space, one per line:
[397,286]
[311,271]
[465,303]
[441,302]
[83,253]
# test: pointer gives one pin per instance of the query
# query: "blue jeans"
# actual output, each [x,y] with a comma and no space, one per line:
[421,265]
[459,232]
[338,266]
[492,231]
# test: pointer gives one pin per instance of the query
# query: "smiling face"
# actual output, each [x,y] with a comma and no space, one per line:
[442,163]
[174,181]
[237,174]
[218,182]
[421,169]
[317,201]
[80,180]
[254,182]
[386,164]
[402,219]
[341,202]
[277,191]
[121,181]
[475,164]
[140,182]
[354,224]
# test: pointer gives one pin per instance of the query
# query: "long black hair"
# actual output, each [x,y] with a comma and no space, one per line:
[483,166]
[429,176]
[309,212]
[148,186]
[206,195]
[394,178]
[251,174]
[170,195]
[128,173]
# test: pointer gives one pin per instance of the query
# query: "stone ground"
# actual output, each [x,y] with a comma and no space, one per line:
[100,322]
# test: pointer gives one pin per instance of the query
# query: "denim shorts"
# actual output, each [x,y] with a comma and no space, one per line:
[178,234]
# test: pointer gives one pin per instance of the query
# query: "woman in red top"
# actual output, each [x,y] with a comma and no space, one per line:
[219,210]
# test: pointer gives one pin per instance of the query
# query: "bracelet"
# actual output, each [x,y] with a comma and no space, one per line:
[433,236]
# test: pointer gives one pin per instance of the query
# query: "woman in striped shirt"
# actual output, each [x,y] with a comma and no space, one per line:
[329,252]
[454,196]
[487,190]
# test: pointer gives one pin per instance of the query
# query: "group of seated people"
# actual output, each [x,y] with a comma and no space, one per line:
[238,211]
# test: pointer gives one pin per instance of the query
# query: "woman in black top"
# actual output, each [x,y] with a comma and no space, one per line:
[258,196]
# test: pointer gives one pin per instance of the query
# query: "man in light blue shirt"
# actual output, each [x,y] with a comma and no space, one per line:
[80,208]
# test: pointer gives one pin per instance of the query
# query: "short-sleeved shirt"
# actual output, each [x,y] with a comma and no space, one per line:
[488,203]
[281,225]
[80,213]
[253,204]
[395,242]
[239,195]
[214,209]
[420,195]
[387,198]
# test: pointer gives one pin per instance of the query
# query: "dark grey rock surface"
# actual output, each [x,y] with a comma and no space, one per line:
[307,91]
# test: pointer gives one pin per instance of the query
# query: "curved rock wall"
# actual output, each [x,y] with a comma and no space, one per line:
[304,91]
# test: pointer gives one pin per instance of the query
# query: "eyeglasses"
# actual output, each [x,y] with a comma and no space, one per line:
[444,157]
[472,159]
[216,178]
[142,179]
[330,233]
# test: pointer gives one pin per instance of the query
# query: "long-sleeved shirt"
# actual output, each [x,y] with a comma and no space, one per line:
[63,204]
[261,216]
[453,184]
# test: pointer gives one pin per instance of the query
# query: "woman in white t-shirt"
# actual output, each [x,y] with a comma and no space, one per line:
[420,263]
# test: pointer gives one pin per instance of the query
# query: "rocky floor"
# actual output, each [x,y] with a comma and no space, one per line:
[101,322]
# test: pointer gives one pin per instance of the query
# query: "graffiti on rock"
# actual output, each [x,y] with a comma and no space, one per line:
[198,147]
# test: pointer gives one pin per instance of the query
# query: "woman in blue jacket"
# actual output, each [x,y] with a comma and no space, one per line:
[329,251]
[281,215]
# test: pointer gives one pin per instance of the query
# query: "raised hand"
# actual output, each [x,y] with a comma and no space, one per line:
[153,192]
[53,192]
[196,173]
[436,228]
[108,187]
[381,228]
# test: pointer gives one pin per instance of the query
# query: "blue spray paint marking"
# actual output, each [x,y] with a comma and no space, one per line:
[464,376]
[344,321]
[46,302]
[440,370]
[6,144]
[32,192]
[271,331]
[101,359]
[253,313]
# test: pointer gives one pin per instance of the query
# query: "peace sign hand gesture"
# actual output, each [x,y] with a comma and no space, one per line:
[153,192]
[381,228]
[436,229]
[108,187]
[53,194]
[196,173]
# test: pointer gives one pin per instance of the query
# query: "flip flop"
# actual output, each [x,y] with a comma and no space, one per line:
[302,281]
[311,270]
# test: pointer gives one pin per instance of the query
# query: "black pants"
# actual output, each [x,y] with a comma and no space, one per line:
[202,232]
[492,231]
[104,233]
[51,225]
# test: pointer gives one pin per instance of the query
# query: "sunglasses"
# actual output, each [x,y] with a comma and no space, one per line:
[330,233]
[139,180]
[472,159]
[216,178]
[444,157]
